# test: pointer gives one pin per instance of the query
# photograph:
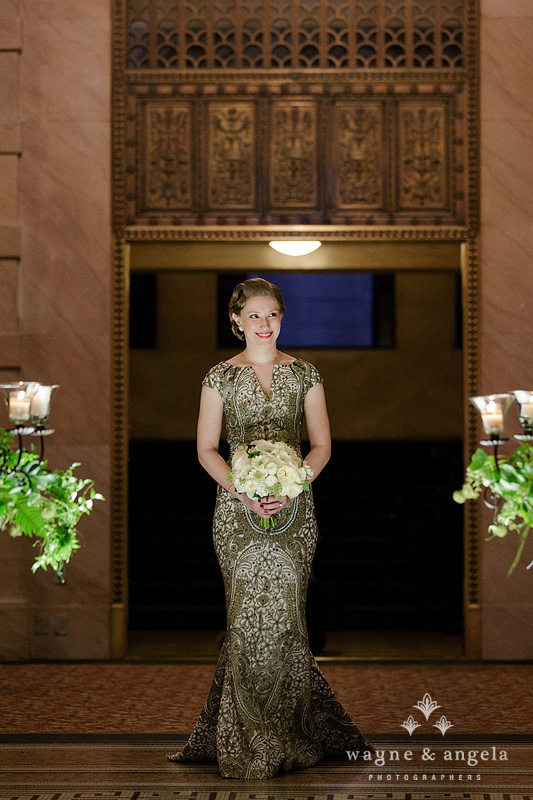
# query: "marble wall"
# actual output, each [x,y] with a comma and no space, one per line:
[55,265]
[507,283]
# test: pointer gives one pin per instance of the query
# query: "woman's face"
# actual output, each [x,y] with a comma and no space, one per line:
[261,320]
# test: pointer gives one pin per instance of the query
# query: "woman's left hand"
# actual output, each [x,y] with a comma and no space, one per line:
[272,505]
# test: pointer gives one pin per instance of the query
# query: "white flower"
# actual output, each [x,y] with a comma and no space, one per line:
[294,490]
[286,475]
[302,474]
[275,468]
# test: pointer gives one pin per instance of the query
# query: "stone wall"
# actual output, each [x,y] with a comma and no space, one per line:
[55,262]
[507,284]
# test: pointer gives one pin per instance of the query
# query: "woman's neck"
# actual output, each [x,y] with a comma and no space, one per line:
[259,356]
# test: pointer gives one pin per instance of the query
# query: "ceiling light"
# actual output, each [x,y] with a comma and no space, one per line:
[294,247]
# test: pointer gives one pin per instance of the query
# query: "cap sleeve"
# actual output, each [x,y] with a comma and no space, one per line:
[214,378]
[312,377]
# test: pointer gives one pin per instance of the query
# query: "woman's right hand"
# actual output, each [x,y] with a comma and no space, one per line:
[254,504]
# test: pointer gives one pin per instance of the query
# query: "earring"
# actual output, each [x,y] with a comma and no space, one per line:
[240,328]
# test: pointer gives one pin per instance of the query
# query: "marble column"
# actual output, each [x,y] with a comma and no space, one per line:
[64,332]
[507,284]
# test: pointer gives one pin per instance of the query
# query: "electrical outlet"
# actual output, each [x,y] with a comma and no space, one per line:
[61,625]
[41,624]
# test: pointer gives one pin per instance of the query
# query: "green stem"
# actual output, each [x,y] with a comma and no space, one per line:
[523,537]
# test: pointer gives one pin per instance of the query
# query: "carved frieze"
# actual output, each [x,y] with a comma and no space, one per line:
[231,167]
[358,155]
[422,156]
[377,156]
[167,165]
[293,168]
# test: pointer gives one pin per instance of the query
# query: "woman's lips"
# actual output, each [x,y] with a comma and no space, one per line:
[264,335]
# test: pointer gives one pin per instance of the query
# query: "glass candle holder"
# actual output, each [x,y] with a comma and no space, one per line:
[524,400]
[18,397]
[40,405]
[493,408]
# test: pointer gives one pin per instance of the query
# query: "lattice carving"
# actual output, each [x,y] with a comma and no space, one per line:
[422,156]
[167,176]
[359,148]
[293,175]
[231,155]
[295,34]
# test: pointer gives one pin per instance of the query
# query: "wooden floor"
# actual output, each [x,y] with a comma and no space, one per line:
[135,767]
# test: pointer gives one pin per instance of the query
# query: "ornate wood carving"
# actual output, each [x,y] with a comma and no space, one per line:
[422,157]
[358,166]
[324,153]
[167,175]
[231,167]
[293,174]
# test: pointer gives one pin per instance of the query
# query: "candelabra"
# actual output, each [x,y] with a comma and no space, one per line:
[28,407]
[493,409]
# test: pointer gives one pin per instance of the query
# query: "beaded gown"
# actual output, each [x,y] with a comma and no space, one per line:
[270,708]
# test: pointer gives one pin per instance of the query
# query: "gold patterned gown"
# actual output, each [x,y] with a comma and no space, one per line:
[270,708]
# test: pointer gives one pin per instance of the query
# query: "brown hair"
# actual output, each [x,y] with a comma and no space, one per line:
[253,287]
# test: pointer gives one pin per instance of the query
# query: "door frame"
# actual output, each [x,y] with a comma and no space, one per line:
[365,248]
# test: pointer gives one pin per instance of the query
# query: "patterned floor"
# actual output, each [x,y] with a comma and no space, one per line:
[34,769]
[478,699]
[270,795]
[102,731]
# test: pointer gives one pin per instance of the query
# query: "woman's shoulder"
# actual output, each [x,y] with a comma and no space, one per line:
[310,374]
[215,375]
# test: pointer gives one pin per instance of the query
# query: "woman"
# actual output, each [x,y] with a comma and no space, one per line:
[269,709]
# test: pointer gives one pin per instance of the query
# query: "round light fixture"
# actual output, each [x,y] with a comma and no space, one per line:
[295,247]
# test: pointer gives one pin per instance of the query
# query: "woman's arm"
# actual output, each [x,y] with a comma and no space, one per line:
[207,442]
[317,422]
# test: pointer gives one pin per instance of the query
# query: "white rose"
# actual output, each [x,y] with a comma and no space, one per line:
[286,475]
[293,490]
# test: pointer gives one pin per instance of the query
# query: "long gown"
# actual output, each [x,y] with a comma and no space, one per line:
[270,708]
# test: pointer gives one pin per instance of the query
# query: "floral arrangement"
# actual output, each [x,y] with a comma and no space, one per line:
[261,468]
[510,482]
[35,501]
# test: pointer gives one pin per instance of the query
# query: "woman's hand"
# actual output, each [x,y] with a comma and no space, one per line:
[265,506]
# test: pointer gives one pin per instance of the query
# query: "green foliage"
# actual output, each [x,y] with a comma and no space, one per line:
[511,484]
[42,503]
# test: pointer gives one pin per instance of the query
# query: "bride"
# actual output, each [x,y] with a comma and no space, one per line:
[270,708]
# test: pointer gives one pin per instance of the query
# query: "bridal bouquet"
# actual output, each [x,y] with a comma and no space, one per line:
[261,468]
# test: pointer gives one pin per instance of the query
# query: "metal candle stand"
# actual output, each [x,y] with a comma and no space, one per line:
[493,409]
[26,402]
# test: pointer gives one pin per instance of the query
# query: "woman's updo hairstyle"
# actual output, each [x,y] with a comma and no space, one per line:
[253,287]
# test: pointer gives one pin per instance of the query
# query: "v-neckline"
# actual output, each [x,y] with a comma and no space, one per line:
[267,396]
[249,366]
